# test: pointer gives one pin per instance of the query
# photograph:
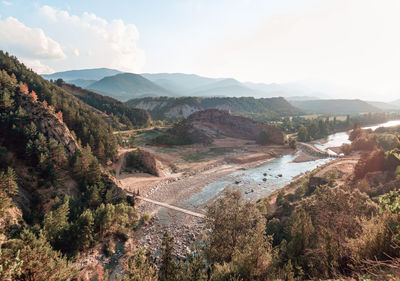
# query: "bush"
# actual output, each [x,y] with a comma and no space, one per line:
[145,218]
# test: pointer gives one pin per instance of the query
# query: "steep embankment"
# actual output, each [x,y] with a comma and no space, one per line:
[206,125]
[214,122]
[180,108]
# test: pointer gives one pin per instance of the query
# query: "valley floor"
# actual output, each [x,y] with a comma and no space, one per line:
[195,166]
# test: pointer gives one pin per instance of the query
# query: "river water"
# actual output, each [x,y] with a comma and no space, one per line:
[279,172]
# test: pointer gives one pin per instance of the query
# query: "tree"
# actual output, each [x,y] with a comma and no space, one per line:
[292,143]
[138,267]
[57,154]
[40,261]
[231,222]
[84,228]
[23,88]
[10,267]
[56,223]
[8,182]
[34,95]
[195,266]
[302,134]
[169,268]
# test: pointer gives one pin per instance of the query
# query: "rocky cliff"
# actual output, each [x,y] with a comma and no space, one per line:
[216,122]
[48,123]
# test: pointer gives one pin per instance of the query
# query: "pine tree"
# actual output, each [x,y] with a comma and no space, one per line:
[302,134]
[169,269]
[56,222]
[84,230]
[138,267]
[8,182]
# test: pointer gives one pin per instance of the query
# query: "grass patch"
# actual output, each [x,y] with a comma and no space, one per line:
[212,152]
[145,137]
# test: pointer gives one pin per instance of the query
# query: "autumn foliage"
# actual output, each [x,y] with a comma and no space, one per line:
[23,88]
[34,95]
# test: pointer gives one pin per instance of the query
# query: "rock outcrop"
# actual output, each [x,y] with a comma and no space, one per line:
[48,123]
[150,163]
[216,122]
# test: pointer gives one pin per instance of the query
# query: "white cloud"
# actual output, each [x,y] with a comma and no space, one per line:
[75,52]
[6,3]
[26,42]
[107,44]
[37,66]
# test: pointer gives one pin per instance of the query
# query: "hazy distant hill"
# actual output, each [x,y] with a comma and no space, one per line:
[82,82]
[385,106]
[179,108]
[181,84]
[224,88]
[125,86]
[335,106]
[179,81]
[396,102]
[82,74]
[195,85]
[301,98]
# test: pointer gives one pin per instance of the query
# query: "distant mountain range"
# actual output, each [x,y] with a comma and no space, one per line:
[82,74]
[125,86]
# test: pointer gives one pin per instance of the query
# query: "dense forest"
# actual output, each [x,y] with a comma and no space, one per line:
[55,199]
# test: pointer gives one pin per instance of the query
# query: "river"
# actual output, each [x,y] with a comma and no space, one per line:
[279,172]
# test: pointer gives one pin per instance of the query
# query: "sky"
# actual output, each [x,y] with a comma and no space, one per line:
[350,48]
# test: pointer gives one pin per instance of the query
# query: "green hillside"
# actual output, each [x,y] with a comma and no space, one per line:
[126,86]
[122,113]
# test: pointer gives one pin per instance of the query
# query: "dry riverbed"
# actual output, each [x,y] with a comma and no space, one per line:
[197,166]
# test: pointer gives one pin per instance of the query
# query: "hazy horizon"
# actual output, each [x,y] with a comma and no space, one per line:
[343,49]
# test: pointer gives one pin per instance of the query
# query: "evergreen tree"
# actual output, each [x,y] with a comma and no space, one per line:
[169,269]
[8,182]
[84,228]
[56,223]
[139,268]
[302,134]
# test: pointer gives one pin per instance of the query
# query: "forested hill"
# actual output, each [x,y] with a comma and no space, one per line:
[86,125]
[125,86]
[179,108]
[339,106]
[56,201]
[128,116]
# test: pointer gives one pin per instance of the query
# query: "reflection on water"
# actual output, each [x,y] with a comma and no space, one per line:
[333,141]
[392,123]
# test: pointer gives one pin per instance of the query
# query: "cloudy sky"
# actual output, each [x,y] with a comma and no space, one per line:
[352,44]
